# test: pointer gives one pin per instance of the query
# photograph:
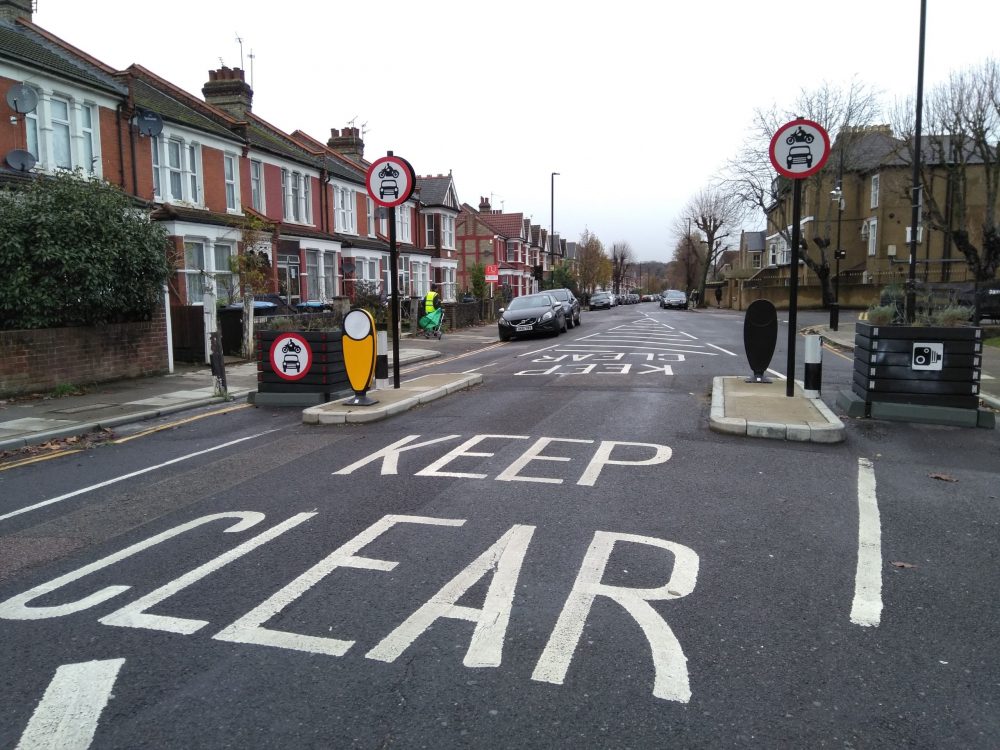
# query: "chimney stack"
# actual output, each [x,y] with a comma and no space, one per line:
[484,205]
[347,142]
[12,9]
[227,90]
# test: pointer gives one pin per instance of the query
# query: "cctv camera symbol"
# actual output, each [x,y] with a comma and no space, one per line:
[925,356]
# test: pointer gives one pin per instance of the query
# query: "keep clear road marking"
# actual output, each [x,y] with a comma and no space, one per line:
[867,607]
[123,477]
[66,717]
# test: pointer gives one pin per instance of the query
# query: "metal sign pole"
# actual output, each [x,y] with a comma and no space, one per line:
[793,290]
[394,287]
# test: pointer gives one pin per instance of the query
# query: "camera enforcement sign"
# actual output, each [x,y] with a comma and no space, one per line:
[927,356]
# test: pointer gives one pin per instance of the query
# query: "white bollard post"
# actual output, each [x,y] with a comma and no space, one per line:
[813,378]
[381,360]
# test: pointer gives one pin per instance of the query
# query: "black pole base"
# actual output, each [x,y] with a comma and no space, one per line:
[362,399]
[834,316]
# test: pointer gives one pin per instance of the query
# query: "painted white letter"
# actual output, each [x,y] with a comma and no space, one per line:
[534,454]
[16,607]
[134,615]
[670,665]
[390,454]
[602,458]
[486,648]
[248,628]
[434,469]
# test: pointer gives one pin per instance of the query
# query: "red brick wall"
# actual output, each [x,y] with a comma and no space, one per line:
[274,200]
[41,360]
[214,179]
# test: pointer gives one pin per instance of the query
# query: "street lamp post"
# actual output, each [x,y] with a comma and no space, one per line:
[552,226]
[838,195]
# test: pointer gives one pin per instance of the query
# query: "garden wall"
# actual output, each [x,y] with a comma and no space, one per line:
[39,360]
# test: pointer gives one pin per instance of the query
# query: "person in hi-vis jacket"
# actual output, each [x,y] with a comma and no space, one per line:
[432,300]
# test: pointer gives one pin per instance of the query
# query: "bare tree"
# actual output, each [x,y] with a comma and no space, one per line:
[621,261]
[962,119]
[684,270]
[715,213]
[751,178]
[592,263]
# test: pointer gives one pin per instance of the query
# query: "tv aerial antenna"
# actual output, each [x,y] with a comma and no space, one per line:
[239,41]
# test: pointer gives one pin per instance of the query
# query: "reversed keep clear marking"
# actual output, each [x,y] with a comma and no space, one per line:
[866,609]
[122,478]
[66,717]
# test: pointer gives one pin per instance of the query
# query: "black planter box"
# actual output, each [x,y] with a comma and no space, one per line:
[326,377]
[890,365]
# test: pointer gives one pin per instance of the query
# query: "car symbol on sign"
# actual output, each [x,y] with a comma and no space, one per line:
[799,155]
[387,187]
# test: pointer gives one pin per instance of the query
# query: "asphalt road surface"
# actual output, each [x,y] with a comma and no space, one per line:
[565,556]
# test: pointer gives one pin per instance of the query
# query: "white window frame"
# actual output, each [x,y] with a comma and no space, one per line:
[61,126]
[286,194]
[429,230]
[257,185]
[875,191]
[344,219]
[371,217]
[193,154]
[307,199]
[872,237]
[920,234]
[755,260]
[512,251]
[447,232]
[174,169]
[88,143]
[230,173]
[403,224]
[154,148]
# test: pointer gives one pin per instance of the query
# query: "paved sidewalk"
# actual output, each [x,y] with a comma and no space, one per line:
[28,421]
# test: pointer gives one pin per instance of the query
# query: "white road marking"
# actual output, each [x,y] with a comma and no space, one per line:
[776,373]
[122,478]
[670,680]
[505,557]
[249,628]
[134,615]
[725,351]
[16,608]
[866,610]
[66,717]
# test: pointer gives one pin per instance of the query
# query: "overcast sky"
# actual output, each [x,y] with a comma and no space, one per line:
[636,103]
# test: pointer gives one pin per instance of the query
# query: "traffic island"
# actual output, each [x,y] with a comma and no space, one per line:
[764,410]
[392,401]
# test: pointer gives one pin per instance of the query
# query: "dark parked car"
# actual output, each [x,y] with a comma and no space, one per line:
[532,313]
[673,298]
[571,305]
[600,301]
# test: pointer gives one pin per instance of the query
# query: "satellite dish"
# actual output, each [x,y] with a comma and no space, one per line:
[21,160]
[22,98]
[148,123]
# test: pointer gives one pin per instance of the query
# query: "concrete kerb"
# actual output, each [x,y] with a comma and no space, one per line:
[391,401]
[83,428]
[829,430]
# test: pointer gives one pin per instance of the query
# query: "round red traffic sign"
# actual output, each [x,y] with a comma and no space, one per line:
[799,149]
[291,356]
[390,181]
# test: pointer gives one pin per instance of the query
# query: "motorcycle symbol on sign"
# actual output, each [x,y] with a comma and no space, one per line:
[800,136]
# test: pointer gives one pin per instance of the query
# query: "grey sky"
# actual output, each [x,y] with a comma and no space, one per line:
[636,104]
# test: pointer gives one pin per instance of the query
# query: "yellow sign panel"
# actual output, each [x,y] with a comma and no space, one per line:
[359,349]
